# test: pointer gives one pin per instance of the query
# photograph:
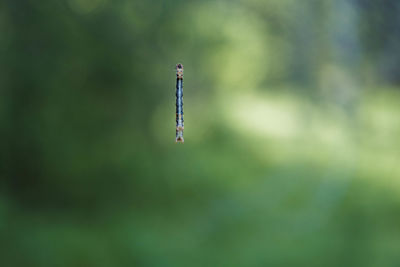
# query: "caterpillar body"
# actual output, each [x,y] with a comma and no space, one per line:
[179,104]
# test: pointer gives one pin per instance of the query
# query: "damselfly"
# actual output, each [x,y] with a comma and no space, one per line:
[179,103]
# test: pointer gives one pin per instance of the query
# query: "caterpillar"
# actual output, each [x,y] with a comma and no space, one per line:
[179,103]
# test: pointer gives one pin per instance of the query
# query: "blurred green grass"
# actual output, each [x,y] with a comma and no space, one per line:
[291,125]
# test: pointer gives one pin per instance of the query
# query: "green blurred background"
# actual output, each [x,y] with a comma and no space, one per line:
[292,125]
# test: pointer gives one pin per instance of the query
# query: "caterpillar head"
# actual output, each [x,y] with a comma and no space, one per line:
[179,71]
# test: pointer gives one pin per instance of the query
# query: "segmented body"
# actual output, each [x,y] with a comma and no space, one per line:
[179,103]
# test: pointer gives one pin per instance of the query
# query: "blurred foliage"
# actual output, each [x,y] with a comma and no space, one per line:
[292,120]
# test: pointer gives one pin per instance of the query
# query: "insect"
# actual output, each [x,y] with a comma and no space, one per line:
[179,103]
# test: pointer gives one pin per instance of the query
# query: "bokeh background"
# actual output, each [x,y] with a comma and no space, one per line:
[292,125]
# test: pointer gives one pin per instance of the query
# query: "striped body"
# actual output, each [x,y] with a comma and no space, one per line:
[179,103]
